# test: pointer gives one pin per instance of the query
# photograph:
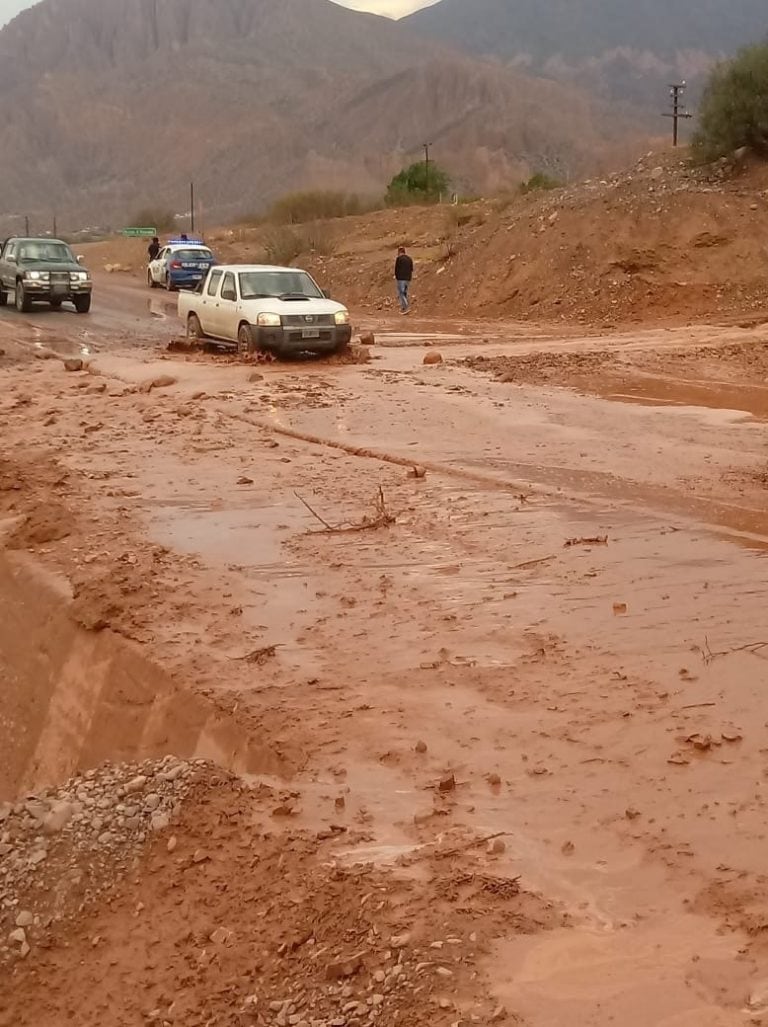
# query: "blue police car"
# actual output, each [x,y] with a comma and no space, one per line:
[180,264]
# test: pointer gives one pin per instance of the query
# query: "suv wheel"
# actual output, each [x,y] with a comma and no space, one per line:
[150,281]
[23,302]
[83,303]
[3,297]
[168,282]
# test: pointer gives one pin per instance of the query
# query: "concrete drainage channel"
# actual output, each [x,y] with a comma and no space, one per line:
[74,699]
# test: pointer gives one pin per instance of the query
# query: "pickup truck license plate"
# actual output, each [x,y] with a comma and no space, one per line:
[310,333]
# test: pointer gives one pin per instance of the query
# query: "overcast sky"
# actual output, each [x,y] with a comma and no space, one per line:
[394,8]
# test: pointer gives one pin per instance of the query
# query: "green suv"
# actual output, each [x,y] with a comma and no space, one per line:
[43,271]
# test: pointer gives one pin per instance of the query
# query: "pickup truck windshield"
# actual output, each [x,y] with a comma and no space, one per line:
[46,251]
[290,285]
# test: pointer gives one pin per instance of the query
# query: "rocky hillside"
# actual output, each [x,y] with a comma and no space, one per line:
[658,242]
[114,105]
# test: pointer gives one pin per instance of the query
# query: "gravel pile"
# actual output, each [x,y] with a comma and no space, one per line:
[64,847]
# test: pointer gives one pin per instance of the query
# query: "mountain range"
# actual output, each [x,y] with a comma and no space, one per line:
[624,50]
[110,106]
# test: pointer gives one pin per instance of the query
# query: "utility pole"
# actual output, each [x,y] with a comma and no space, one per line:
[26,226]
[426,168]
[678,111]
[55,232]
[192,206]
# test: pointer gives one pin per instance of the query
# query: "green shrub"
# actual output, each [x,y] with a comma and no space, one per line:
[734,107]
[414,185]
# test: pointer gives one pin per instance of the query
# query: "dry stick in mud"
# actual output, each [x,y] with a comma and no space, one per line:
[383,519]
[709,657]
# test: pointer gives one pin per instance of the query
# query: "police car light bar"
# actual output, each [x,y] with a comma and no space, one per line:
[184,242]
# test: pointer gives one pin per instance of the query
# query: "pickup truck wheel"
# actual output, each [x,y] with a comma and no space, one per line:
[194,328]
[83,303]
[23,302]
[245,341]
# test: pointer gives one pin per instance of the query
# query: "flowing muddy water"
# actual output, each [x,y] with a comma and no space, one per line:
[592,700]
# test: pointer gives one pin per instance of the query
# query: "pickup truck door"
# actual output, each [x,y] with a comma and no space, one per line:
[208,303]
[227,310]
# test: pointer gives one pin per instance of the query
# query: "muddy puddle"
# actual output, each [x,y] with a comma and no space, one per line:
[75,699]
[736,402]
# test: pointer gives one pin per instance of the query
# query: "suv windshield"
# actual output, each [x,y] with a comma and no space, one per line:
[294,285]
[46,251]
[192,255]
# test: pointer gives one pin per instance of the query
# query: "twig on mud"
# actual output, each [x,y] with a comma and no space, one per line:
[313,512]
[383,518]
[429,851]
[258,656]
[597,540]
[697,705]
[709,657]
[532,563]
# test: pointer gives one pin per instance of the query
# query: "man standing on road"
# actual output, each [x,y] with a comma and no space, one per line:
[154,248]
[403,277]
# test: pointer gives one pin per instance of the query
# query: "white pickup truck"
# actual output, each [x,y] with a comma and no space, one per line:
[265,310]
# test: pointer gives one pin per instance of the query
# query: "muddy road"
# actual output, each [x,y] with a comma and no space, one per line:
[489,627]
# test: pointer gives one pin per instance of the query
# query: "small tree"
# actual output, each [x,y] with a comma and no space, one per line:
[734,108]
[540,182]
[418,184]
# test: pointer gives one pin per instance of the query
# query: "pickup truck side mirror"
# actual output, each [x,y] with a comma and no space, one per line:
[81,259]
[327,294]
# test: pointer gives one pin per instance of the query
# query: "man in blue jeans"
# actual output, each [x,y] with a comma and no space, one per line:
[403,277]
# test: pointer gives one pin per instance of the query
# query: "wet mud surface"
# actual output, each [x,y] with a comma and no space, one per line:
[553,640]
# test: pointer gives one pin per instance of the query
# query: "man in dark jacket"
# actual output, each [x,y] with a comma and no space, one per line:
[154,248]
[403,277]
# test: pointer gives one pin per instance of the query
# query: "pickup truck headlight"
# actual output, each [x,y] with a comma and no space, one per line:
[37,276]
[268,320]
[79,276]
[341,317]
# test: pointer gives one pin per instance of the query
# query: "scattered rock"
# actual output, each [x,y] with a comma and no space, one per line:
[59,816]
[367,339]
[399,941]
[421,747]
[244,480]
[494,780]
[24,919]
[447,783]
[433,357]
[73,364]
[343,968]
[172,843]
[17,936]
[418,472]
[496,847]
[568,849]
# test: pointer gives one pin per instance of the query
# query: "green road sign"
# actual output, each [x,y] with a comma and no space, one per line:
[149,232]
